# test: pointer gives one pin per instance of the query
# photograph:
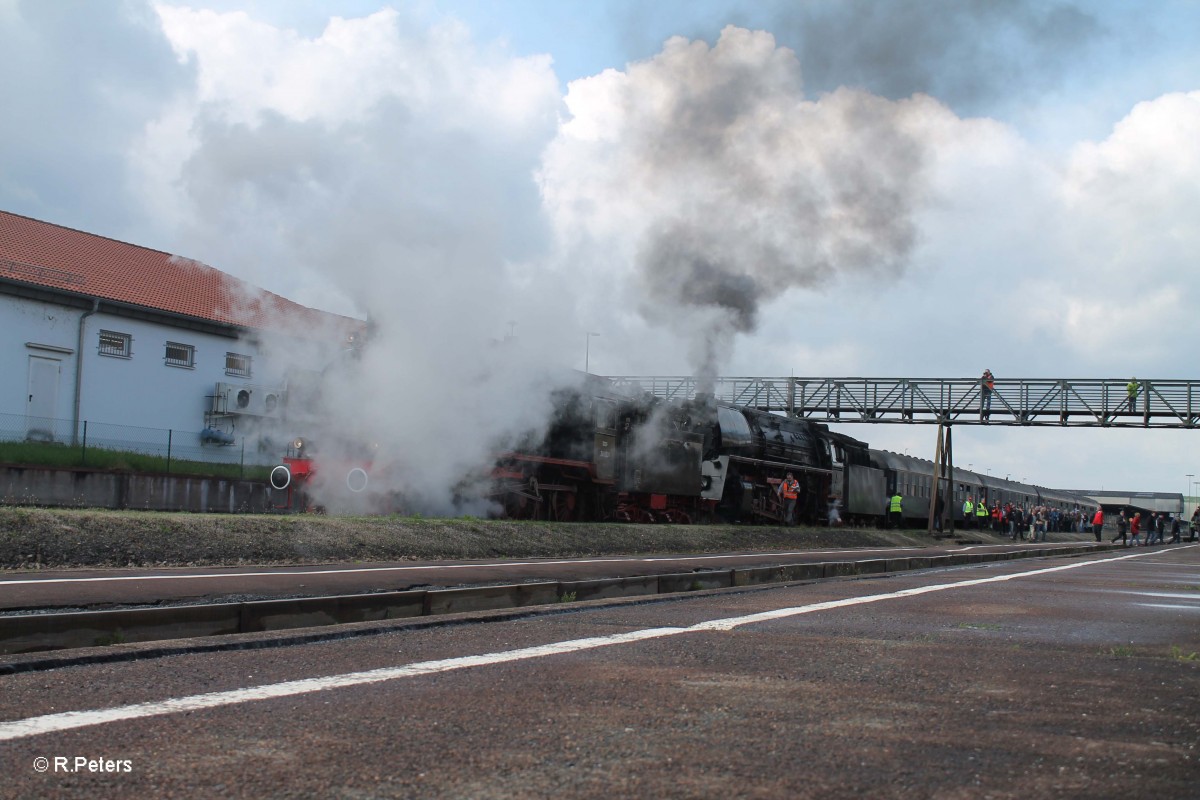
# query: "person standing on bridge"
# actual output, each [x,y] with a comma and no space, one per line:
[789,490]
[987,385]
[1131,389]
[1098,524]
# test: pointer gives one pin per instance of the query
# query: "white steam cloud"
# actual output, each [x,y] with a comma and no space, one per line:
[392,170]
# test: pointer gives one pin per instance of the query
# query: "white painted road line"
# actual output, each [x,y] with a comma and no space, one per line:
[70,720]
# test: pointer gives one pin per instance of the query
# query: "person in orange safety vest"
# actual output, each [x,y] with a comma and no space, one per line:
[789,490]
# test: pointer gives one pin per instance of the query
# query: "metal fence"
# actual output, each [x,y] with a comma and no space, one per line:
[90,437]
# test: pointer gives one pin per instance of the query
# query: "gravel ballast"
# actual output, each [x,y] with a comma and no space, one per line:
[34,539]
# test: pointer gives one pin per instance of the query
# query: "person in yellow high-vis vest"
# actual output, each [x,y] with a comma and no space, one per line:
[896,510]
[968,512]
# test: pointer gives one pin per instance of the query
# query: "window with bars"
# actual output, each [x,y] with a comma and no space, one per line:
[237,364]
[180,355]
[116,344]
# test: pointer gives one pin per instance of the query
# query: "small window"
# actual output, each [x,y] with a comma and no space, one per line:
[115,344]
[237,364]
[180,355]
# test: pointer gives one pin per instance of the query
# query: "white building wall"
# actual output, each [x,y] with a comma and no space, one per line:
[128,397]
[30,328]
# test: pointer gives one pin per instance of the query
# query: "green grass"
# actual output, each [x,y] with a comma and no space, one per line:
[1179,654]
[36,454]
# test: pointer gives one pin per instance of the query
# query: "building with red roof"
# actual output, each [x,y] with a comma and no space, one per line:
[107,333]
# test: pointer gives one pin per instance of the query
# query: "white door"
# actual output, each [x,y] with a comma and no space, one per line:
[40,409]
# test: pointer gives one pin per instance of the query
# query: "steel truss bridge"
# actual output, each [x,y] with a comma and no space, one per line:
[960,401]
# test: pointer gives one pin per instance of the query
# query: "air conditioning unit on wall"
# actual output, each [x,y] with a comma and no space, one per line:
[248,399]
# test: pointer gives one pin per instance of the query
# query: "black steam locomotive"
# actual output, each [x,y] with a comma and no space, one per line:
[613,457]
[608,455]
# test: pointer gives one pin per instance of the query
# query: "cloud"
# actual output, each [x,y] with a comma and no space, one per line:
[80,83]
[970,54]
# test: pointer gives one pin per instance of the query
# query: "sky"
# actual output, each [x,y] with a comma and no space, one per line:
[911,188]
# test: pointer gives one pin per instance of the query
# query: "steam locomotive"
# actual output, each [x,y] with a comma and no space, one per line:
[607,455]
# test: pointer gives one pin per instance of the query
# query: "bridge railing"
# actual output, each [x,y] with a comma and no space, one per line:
[1037,401]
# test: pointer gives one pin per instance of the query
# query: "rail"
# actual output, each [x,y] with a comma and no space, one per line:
[1072,403]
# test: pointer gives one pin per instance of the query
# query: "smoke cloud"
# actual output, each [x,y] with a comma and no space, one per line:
[737,187]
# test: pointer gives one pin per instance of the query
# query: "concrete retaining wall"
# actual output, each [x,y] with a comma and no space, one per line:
[87,488]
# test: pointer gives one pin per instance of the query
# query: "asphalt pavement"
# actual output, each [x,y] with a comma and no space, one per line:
[1050,677]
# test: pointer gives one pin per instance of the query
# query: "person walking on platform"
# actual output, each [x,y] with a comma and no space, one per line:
[1135,530]
[1098,524]
[1174,530]
[1158,525]
[1131,390]
[1122,527]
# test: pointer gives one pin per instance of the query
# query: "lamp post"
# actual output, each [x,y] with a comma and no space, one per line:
[587,352]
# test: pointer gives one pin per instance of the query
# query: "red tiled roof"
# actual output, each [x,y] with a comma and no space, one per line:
[43,254]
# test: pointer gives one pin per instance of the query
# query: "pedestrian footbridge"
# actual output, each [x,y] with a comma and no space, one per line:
[1082,403]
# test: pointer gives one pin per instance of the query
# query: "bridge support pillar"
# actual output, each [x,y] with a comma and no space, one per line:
[943,468]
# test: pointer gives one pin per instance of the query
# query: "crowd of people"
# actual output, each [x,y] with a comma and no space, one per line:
[1021,522]
[1155,527]
[1034,522]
